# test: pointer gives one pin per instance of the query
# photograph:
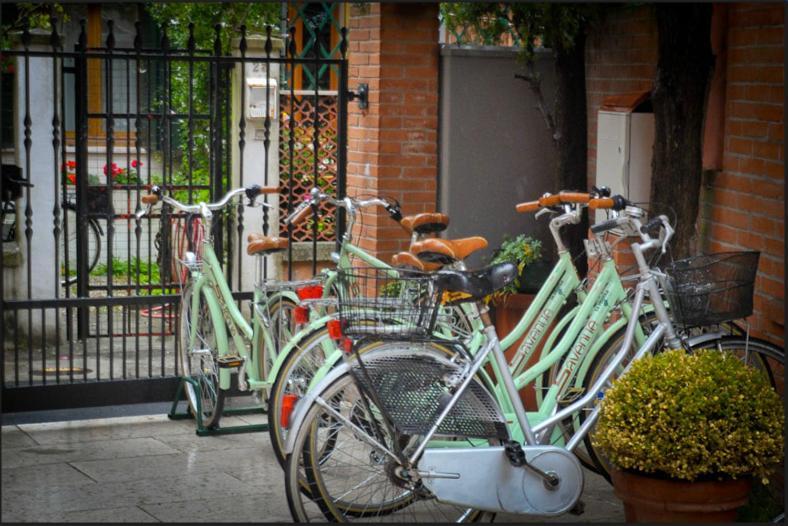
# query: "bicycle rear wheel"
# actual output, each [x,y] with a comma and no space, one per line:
[199,359]
[283,325]
[69,249]
[342,455]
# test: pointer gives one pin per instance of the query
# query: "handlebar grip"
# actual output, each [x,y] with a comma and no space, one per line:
[529,206]
[604,226]
[550,200]
[150,199]
[301,216]
[574,197]
[600,203]
[395,212]
[253,191]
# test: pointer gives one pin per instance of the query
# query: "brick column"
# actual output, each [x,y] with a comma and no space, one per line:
[393,144]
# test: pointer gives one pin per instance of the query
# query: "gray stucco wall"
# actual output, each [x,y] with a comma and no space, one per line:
[495,148]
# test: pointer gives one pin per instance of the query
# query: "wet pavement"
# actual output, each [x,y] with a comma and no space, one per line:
[147,468]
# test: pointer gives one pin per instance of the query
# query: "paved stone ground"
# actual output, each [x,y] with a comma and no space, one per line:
[150,469]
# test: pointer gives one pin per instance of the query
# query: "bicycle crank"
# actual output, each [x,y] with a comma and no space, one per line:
[503,485]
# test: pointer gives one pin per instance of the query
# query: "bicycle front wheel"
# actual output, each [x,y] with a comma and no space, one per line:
[292,381]
[199,359]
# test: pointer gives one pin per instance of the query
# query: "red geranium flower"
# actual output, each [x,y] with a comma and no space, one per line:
[71,164]
[72,178]
[115,170]
[135,163]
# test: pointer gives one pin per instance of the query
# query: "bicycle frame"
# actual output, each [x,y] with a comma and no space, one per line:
[583,339]
[530,434]
[606,294]
[209,281]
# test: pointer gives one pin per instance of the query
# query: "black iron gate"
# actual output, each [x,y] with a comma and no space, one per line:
[91,301]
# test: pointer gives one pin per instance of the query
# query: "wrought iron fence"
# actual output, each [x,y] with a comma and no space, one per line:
[90,293]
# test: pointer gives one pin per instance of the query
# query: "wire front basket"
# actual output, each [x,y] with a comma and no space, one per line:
[386,303]
[711,289]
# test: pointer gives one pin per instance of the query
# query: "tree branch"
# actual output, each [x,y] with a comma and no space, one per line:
[535,83]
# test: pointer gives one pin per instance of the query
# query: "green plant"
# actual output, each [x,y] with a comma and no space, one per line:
[521,251]
[134,267]
[392,289]
[700,416]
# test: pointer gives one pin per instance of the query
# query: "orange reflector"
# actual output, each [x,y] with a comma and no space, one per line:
[288,405]
[334,329]
[301,315]
[347,345]
[310,292]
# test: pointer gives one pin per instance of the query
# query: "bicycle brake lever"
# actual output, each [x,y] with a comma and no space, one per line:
[542,212]
[142,212]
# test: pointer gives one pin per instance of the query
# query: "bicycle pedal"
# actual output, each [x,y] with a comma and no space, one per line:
[230,362]
[571,394]
[579,508]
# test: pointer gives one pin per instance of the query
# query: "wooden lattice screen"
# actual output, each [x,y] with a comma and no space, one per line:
[301,178]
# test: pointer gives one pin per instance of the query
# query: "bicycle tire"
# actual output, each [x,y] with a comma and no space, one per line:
[766,356]
[305,455]
[306,359]
[280,311]
[94,243]
[284,379]
[203,369]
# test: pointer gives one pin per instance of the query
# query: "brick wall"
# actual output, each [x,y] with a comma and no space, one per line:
[742,204]
[392,146]
[621,57]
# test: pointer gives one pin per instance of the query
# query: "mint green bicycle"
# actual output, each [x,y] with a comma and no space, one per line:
[403,438]
[215,337]
[560,360]
[217,340]
[294,371]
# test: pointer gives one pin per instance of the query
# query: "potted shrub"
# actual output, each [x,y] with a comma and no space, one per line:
[687,434]
[509,303]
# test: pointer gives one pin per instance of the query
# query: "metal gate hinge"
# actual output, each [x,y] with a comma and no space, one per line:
[362,95]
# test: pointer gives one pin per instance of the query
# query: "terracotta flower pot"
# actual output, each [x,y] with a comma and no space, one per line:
[650,499]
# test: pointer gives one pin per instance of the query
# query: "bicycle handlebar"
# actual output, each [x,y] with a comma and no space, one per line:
[564,198]
[157,195]
[350,204]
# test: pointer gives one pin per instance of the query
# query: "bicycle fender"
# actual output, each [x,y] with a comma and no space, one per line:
[305,404]
[221,333]
[295,340]
[289,294]
[704,338]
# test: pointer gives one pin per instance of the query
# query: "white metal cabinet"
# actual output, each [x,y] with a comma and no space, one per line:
[624,149]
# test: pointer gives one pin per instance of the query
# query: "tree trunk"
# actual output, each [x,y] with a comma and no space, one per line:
[679,98]
[571,133]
